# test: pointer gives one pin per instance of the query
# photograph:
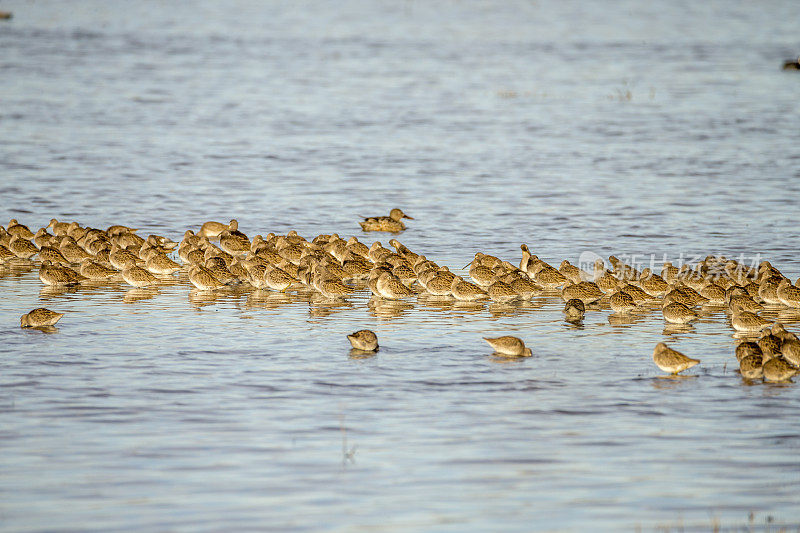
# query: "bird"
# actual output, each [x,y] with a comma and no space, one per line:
[391,287]
[212,229]
[747,348]
[791,64]
[500,291]
[746,321]
[750,367]
[39,317]
[95,271]
[670,360]
[586,291]
[621,302]
[160,264]
[466,291]
[788,294]
[22,247]
[574,310]
[392,223]
[677,313]
[508,345]
[138,277]
[364,340]
[203,279]
[778,369]
[50,274]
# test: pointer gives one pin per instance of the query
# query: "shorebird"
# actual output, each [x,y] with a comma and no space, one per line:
[769,344]
[502,292]
[466,291]
[790,350]
[59,228]
[788,294]
[138,277]
[652,284]
[508,345]
[391,287]
[574,310]
[751,367]
[39,317]
[74,253]
[22,247]
[621,302]
[714,293]
[791,64]
[6,254]
[747,348]
[571,272]
[483,276]
[203,279]
[121,258]
[51,274]
[234,244]
[441,283]
[548,277]
[160,264]
[48,253]
[677,313]
[586,291]
[96,271]
[212,229]
[670,360]
[779,330]
[393,223]
[331,287]
[746,321]
[364,340]
[19,230]
[277,279]
[778,369]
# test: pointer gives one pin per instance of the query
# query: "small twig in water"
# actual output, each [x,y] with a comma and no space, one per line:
[348,455]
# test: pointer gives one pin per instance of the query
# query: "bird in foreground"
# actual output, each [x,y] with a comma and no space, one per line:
[39,317]
[364,340]
[778,369]
[670,360]
[508,345]
[574,310]
[392,223]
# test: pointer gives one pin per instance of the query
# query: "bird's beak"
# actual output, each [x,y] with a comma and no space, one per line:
[408,217]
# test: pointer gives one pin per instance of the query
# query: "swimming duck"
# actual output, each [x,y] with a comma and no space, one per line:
[393,223]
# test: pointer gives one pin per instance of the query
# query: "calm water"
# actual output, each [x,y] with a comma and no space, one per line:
[575,127]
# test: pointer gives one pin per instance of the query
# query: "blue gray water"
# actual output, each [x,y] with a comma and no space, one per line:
[608,127]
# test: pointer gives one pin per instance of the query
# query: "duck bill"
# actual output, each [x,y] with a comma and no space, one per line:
[408,217]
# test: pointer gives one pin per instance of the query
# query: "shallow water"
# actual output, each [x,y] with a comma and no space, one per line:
[620,128]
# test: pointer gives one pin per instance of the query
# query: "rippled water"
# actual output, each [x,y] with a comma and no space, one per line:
[605,127]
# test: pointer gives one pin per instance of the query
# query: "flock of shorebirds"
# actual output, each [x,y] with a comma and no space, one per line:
[218,255]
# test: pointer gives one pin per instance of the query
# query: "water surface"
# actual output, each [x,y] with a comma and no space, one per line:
[611,128]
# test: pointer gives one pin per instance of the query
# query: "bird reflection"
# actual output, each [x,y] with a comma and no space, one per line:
[676,329]
[139,293]
[388,308]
